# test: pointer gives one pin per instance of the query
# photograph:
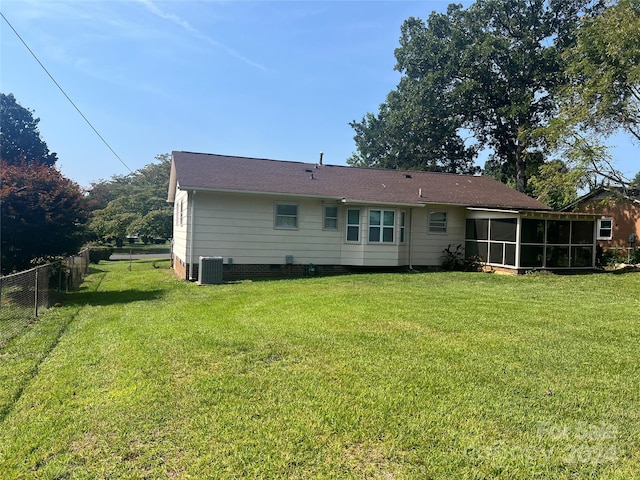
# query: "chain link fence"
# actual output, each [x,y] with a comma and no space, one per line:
[24,295]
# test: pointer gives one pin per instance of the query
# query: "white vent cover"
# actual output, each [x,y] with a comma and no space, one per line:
[210,270]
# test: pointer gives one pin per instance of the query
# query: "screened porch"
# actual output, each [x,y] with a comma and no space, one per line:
[531,240]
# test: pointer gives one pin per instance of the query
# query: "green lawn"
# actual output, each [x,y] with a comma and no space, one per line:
[390,376]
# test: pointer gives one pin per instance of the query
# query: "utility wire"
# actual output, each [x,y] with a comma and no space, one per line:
[65,94]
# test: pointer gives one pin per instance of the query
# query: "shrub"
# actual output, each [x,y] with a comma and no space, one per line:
[454,259]
[99,253]
[614,256]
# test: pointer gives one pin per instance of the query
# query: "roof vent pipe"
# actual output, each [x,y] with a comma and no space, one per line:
[321,155]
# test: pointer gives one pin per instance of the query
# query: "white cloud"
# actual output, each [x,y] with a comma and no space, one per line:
[152,7]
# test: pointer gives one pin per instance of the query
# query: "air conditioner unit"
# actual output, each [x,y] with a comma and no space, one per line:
[210,270]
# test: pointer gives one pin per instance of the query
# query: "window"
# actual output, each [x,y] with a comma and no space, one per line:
[180,216]
[286,215]
[605,228]
[381,226]
[353,225]
[402,221]
[438,222]
[330,218]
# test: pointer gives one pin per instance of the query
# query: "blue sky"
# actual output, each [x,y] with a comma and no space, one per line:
[266,79]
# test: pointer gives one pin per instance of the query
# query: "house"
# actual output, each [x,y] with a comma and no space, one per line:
[618,210]
[279,218]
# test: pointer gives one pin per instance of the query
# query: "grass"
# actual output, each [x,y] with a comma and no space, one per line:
[386,376]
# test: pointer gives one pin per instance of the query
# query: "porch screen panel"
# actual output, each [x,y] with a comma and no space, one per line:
[532,231]
[476,250]
[503,230]
[496,253]
[557,256]
[510,254]
[532,256]
[581,256]
[582,233]
[558,232]
[477,229]
[477,238]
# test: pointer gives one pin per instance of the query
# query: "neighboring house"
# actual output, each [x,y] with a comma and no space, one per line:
[277,218]
[619,215]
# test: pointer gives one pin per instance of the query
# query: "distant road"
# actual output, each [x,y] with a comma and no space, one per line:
[138,256]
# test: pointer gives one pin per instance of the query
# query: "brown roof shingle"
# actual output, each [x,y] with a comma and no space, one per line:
[200,171]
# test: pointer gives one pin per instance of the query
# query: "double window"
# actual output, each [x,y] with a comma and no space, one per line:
[382,226]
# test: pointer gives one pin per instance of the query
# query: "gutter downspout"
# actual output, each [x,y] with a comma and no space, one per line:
[191,228]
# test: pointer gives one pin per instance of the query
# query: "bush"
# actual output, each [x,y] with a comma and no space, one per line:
[99,253]
[614,256]
[454,259]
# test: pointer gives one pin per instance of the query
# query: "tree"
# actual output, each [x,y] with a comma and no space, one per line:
[412,131]
[19,136]
[636,180]
[42,214]
[602,90]
[491,71]
[603,94]
[556,183]
[134,204]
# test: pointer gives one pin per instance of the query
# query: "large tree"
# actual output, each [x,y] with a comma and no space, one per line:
[413,130]
[490,72]
[604,71]
[42,213]
[134,204]
[601,95]
[20,139]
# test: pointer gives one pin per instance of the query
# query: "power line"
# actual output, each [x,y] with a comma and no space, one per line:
[65,94]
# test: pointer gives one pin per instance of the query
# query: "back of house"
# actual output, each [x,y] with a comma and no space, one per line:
[262,217]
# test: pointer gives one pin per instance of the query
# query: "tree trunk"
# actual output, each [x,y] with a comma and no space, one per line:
[521,169]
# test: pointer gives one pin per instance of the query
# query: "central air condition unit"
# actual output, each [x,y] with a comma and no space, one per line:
[210,270]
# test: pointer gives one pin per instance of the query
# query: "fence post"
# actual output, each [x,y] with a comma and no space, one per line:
[36,289]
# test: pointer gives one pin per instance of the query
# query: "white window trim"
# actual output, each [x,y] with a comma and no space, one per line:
[275,216]
[599,228]
[402,231]
[324,218]
[382,226]
[180,208]
[358,225]
[446,223]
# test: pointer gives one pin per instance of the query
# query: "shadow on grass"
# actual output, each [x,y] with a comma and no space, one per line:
[112,298]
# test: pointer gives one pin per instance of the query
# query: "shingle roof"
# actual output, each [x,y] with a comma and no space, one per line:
[632,194]
[200,171]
